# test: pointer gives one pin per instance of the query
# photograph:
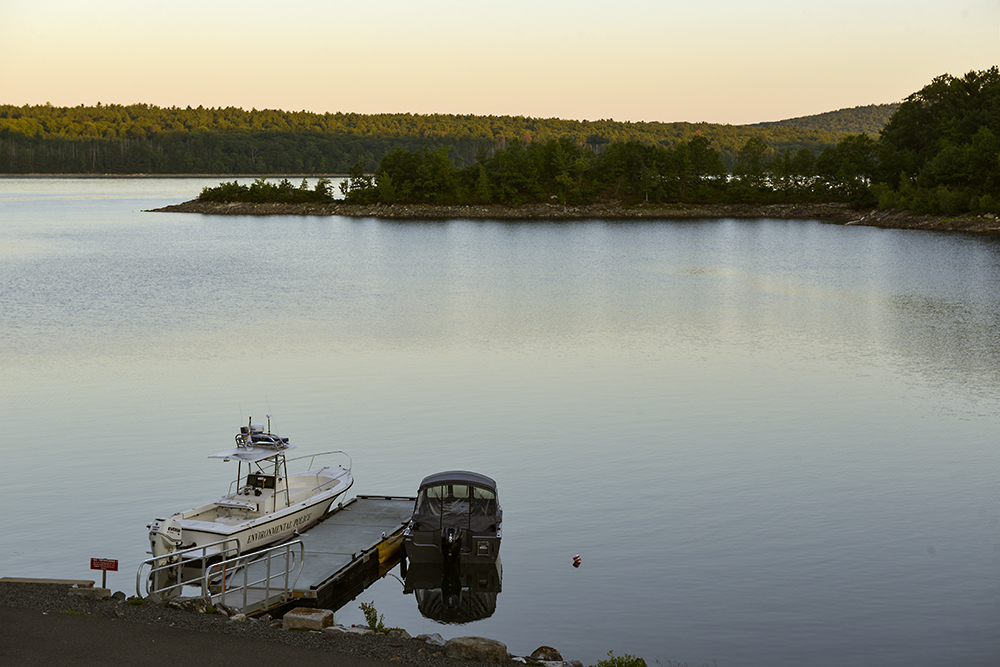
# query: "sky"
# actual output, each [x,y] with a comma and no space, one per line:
[717,61]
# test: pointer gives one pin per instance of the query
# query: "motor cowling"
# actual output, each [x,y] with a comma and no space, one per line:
[164,536]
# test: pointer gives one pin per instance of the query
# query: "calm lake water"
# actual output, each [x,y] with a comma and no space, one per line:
[771,442]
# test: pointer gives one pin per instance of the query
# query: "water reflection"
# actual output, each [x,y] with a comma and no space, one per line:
[454,594]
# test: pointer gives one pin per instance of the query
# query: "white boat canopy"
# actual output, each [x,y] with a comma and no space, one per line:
[251,455]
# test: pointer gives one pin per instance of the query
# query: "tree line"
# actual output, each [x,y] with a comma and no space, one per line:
[262,191]
[153,140]
[939,153]
[562,171]
[263,153]
[936,152]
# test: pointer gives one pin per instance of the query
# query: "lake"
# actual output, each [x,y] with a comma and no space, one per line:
[771,442]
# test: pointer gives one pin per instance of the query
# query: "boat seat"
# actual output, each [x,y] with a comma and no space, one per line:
[230,520]
[237,504]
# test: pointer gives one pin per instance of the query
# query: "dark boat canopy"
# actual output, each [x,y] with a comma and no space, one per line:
[459,477]
[457,498]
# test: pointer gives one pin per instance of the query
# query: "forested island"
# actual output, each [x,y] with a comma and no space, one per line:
[938,154]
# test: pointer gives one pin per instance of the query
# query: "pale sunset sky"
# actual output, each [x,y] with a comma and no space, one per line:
[720,61]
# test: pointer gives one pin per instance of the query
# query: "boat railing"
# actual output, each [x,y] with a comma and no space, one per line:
[257,581]
[168,574]
[240,483]
[312,462]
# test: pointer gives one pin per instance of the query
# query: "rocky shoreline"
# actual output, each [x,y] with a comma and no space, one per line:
[396,646]
[836,213]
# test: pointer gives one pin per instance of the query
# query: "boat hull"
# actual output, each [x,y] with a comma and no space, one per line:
[257,533]
[434,547]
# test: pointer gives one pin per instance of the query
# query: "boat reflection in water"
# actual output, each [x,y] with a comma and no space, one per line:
[454,593]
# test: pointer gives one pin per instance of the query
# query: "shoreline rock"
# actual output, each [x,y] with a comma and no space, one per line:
[609,210]
[896,219]
[836,213]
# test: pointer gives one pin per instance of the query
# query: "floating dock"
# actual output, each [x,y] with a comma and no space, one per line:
[351,548]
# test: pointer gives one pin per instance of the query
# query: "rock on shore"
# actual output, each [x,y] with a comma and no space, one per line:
[893,219]
[610,210]
[833,212]
[837,213]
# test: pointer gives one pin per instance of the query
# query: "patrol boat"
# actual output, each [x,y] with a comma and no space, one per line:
[265,504]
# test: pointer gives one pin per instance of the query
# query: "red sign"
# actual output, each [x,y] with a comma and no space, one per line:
[103,564]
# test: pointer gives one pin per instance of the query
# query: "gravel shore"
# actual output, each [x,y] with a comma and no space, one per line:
[603,211]
[835,213]
[53,599]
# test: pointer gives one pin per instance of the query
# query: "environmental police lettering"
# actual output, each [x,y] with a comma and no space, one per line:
[278,528]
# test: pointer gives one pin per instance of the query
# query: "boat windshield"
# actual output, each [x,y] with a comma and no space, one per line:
[260,481]
[452,503]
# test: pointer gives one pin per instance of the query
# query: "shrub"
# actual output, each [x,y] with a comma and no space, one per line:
[260,191]
[374,619]
[624,660]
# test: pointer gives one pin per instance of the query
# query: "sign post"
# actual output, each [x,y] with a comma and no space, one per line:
[104,564]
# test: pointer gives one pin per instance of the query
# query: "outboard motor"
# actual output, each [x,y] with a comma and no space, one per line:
[164,538]
[451,543]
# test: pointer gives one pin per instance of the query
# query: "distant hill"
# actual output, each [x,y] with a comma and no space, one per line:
[141,138]
[868,119]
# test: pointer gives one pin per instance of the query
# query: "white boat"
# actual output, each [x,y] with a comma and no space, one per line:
[265,504]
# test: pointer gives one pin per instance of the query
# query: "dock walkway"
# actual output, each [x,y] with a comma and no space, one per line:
[347,551]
